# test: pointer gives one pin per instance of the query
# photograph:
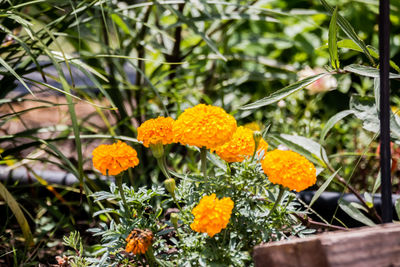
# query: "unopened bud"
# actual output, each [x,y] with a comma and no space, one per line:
[174,219]
[157,150]
[170,185]
[257,136]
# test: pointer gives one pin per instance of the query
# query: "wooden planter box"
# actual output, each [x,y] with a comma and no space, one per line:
[363,247]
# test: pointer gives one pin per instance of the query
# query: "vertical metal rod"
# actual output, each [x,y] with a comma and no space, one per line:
[385,153]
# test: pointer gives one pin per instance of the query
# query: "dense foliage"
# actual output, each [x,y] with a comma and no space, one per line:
[76,74]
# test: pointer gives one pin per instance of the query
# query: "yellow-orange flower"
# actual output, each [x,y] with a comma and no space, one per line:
[289,169]
[139,241]
[204,126]
[240,146]
[115,158]
[156,131]
[255,126]
[212,215]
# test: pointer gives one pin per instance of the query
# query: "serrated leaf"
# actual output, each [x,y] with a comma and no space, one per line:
[332,41]
[355,213]
[367,71]
[323,187]
[284,92]
[333,120]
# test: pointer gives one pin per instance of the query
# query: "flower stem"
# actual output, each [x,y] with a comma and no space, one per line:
[278,199]
[161,164]
[118,181]
[151,260]
[203,159]
[176,201]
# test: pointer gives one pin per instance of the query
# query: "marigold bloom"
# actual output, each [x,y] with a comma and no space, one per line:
[204,126]
[289,169]
[139,241]
[115,158]
[240,146]
[255,126]
[156,131]
[212,215]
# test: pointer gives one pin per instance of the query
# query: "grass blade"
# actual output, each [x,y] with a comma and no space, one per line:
[10,69]
[323,188]
[19,215]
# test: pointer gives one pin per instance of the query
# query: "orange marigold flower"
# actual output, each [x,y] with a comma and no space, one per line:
[204,126]
[115,158]
[289,169]
[139,241]
[255,126]
[212,215]
[156,131]
[240,146]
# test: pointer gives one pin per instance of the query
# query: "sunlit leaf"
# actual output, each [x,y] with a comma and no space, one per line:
[284,92]
[355,213]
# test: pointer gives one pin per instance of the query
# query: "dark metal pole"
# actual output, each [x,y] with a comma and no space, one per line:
[385,157]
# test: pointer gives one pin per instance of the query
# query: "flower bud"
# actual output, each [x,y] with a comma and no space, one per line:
[174,217]
[157,150]
[257,136]
[170,185]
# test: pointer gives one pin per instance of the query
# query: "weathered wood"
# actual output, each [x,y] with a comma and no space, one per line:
[377,246]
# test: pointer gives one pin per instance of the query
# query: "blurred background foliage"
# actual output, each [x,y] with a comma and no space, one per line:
[77,73]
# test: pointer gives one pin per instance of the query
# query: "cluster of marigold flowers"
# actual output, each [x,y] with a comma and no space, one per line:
[211,128]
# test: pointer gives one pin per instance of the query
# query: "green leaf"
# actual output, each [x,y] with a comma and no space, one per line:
[216,161]
[349,44]
[355,213]
[364,109]
[19,215]
[194,28]
[323,187]
[397,207]
[333,120]
[332,41]
[117,19]
[367,71]
[8,67]
[369,200]
[377,183]
[284,92]
[349,31]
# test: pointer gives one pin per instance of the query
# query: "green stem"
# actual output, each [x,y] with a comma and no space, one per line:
[203,159]
[150,258]
[161,164]
[176,202]
[118,181]
[278,199]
